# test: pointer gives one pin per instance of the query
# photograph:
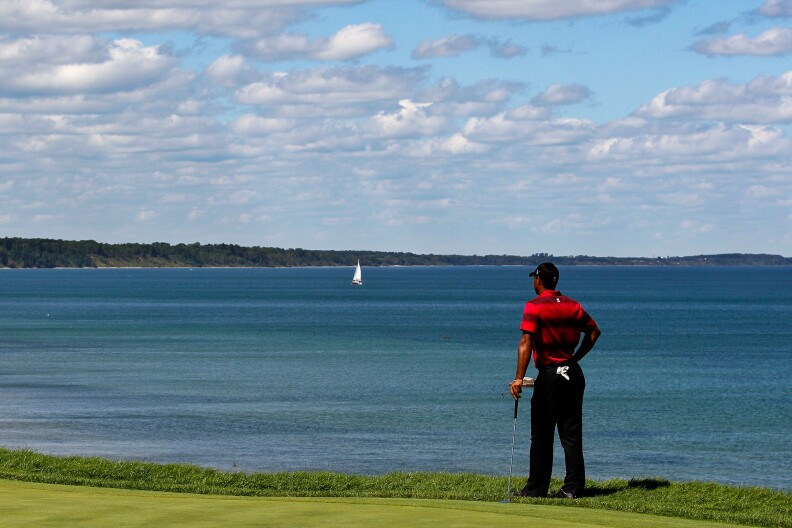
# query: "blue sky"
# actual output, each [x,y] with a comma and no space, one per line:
[620,127]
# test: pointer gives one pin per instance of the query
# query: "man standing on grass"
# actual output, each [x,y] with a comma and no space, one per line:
[552,324]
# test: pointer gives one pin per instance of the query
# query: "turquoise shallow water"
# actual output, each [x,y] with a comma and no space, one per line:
[295,369]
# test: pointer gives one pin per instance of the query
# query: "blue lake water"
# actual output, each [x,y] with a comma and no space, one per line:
[295,369]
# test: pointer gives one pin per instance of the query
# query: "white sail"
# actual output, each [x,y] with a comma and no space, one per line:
[357,280]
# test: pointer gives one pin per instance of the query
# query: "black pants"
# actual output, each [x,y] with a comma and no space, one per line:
[557,402]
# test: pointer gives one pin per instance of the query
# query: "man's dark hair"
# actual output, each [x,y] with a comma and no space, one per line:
[547,273]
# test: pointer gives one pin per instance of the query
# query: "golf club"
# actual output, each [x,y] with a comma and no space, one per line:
[527,382]
[511,464]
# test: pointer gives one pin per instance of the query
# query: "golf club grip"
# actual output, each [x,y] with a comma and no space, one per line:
[516,404]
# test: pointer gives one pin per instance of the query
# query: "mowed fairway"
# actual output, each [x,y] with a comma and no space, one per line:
[42,505]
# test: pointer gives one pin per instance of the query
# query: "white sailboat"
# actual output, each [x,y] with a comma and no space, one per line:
[357,280]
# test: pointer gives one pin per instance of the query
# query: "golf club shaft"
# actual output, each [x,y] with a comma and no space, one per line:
[514,436]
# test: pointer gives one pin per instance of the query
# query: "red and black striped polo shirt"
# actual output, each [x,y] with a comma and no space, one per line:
[556,322]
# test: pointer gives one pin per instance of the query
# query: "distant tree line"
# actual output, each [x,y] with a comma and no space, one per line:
[47,253]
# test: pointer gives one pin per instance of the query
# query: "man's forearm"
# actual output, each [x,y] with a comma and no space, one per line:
[523,355]
[587,344]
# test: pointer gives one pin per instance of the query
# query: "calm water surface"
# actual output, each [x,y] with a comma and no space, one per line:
[295,369]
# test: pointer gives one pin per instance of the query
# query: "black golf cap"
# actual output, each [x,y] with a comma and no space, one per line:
[547,272]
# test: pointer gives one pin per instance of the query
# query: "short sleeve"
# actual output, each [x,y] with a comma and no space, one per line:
[530,319]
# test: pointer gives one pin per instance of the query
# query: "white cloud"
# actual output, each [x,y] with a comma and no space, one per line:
[455,45]
[776,8]
[412,120]
[127,65]
[513,222]
[49,49]
[44,218]
[449,46]
[528,113]
[351,42]
[506,50]
[146,215]
[438,147]
[574,221]
[715,143]
[249,124]
[230,70]
[240,18]
[695,227]
[130,124]
[480,99]
[44,16]
[611,183]
[508,128]
[235,198]
[549,9]
[199,4]
[763,100]
[775,41]
[174,198]
[331,86]
[762,191]
[562,94]
[196,214]
[651,18]
[279,47]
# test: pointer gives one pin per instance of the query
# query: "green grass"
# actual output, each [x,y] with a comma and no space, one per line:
[24,504]
[658,497]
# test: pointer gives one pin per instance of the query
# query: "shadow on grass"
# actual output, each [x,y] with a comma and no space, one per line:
[599,492]
[648,483]
[642,483]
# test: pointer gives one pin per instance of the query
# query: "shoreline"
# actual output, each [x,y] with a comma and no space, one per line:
[700,501]
[48,253]
[51,458]
[675,265]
